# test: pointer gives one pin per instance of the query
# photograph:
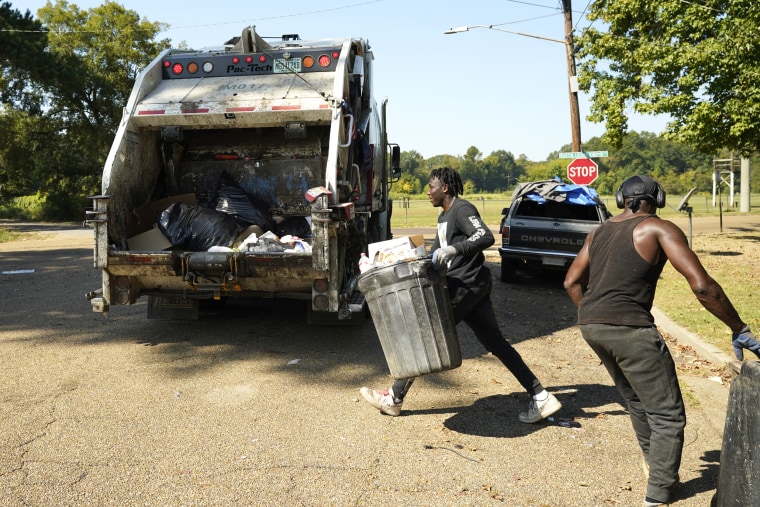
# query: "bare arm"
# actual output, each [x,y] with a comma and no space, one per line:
[577,276]
[709,293]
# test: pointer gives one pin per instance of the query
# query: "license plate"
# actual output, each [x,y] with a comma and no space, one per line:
[164,302]
[553,261]
[282,66]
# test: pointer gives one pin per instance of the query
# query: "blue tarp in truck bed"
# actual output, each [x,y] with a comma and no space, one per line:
[556,190]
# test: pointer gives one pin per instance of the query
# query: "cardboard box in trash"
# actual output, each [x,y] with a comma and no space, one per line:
[143,218]
[405,248]
[151,240]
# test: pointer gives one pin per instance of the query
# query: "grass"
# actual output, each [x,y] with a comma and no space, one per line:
[418,212]
[9,235]
[688,394]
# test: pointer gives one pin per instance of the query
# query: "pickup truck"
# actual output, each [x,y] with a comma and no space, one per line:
[546,225]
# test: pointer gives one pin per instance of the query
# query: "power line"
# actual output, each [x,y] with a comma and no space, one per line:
[531,4]
[524,20]
[321,11]
[583,14]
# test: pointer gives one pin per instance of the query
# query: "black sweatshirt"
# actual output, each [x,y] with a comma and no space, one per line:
[462,228]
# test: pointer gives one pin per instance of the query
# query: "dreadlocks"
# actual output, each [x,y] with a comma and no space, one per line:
[450,178]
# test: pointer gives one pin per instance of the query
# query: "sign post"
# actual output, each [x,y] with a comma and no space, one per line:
[582,171]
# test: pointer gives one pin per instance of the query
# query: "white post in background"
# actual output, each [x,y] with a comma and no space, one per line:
[715,182]
[744,200]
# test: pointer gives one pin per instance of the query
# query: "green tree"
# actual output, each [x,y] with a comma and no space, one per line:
[411,161]
[471,168]
[67,109]
[22,55]
[697,63]
[407,184]
[441,161]
[413,164]
[499,170]
[536,171]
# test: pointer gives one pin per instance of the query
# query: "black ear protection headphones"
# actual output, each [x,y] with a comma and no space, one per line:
[659,196]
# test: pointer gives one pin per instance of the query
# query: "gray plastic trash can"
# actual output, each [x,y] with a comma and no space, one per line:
[409,303]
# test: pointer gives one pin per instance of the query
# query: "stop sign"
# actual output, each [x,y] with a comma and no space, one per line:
[582,171]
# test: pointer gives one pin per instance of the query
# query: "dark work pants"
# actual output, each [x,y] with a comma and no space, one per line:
[471,303]
[640,364]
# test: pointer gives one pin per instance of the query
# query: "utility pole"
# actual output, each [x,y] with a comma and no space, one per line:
[572,79]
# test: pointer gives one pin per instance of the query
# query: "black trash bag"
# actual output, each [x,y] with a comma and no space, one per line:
[365,154]
[293,226]
[197,229]
[234,201]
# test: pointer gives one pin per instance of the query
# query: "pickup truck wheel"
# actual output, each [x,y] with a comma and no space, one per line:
[508,270]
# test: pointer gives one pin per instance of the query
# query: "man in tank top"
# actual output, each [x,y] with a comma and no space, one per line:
[612,282]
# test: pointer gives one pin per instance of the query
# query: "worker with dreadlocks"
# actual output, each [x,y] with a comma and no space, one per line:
[612,282]
[462,236]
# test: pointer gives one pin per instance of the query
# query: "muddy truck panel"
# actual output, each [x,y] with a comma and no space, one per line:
[294,126]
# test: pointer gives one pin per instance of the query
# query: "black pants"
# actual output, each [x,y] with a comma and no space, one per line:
[471,303]
[640,364]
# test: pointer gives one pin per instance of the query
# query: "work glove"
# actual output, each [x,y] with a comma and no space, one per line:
[744,339]
[442,256]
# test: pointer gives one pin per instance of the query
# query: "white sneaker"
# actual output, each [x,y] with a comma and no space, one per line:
[538,410]
[381,400]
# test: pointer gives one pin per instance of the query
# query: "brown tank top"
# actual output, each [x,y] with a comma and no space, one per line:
[621,284]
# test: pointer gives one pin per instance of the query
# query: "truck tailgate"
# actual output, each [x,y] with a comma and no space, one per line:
[260,102]
[542,234]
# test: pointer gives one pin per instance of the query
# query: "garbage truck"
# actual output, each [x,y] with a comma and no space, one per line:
[259,168]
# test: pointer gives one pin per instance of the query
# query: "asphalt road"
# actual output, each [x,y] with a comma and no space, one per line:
[250,406]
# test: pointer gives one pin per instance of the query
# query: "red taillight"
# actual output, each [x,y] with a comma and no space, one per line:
[167,63]
[324,60]
[335,54]
[235,60]
[320,302]
[262,58]
[320,285]
[177,68]
[249,59]
[505,235]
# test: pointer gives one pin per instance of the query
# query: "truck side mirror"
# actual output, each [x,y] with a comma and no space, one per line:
[395,161]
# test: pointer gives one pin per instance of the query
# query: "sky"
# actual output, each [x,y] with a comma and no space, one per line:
[446,92]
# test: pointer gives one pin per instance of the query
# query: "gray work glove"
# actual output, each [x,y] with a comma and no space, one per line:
[442,256]
[744,339]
